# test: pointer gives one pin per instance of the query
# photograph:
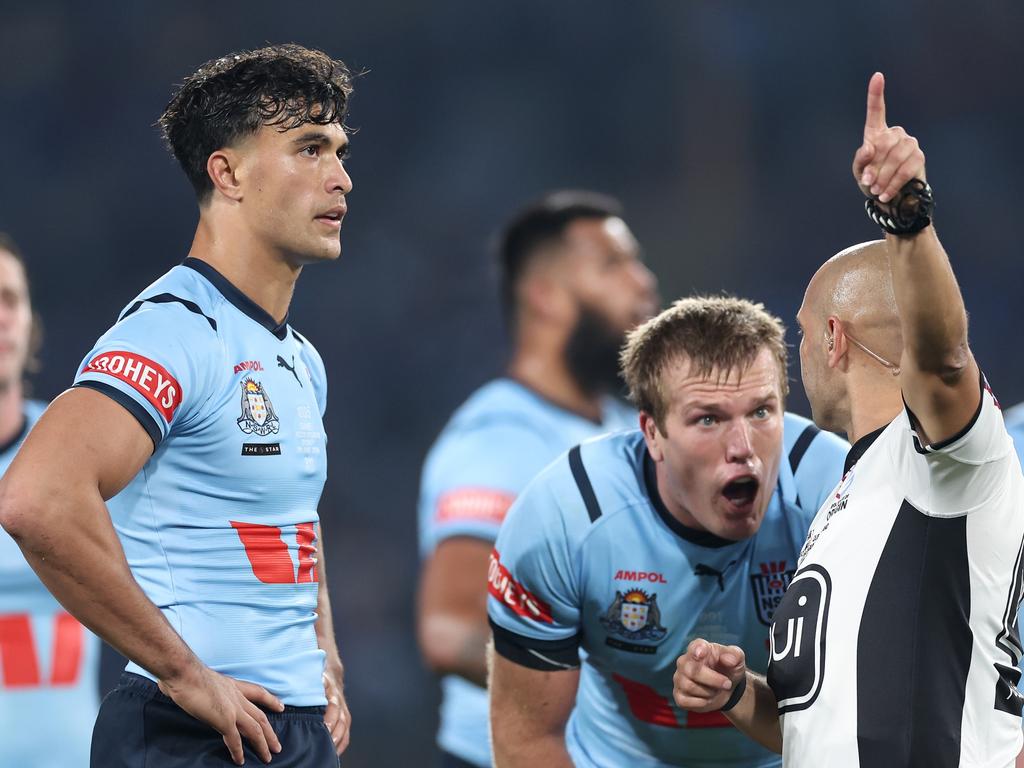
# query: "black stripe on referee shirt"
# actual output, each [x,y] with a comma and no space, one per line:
[914,645]
[579,474]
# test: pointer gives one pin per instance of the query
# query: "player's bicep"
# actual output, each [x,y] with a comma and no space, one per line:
[84,438]
[529,703]
[455,578]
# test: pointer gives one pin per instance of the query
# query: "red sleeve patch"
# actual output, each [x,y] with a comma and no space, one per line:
[479,504]
[149,379]
[514,595]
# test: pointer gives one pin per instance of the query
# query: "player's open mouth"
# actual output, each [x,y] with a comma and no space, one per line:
[741,492]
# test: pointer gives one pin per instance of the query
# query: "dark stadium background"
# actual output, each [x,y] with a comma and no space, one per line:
[726,128]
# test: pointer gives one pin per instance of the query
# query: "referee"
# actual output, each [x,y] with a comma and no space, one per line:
[896,643]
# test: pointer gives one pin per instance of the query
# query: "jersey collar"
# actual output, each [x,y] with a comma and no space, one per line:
[859,448]
[242,302]
[692,535]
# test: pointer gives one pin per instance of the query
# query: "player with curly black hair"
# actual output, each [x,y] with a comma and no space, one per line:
[169,499]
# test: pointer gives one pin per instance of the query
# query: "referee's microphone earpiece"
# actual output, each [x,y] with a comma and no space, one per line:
[831,343]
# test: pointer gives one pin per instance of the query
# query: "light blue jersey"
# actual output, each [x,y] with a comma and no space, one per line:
[491,448]
[49,663]
[220,525]
[590,570]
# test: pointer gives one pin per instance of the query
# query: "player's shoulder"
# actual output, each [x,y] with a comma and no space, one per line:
[500,411]
[180,301]
[594,481]
[487,443]
[310,354]
[802,438]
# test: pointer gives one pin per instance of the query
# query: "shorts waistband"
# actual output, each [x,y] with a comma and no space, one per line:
[146,688]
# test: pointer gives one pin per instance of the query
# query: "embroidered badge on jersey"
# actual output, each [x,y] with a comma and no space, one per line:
[258,416]
[633,621]
[768,587]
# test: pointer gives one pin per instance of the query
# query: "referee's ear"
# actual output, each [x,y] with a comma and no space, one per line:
[836,343]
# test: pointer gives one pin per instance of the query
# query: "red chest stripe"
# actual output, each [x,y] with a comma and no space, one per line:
[148,378]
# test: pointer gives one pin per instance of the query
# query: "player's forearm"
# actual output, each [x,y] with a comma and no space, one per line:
[530,751]
[69,541]
[456,645]
[757,714]
[932,314]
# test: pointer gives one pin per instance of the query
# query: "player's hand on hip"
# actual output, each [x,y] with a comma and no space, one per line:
[229,706]
[888,157]
[337,717]
[706,675]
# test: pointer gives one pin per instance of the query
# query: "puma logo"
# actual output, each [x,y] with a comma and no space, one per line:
[282,363]
[706,570]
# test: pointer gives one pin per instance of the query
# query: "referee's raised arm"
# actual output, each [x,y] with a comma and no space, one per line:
[939,376]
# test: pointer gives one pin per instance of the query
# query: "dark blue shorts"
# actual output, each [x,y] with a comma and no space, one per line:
[139,727]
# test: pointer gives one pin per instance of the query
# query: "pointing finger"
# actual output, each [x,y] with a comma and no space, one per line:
[698,648]
[875,120]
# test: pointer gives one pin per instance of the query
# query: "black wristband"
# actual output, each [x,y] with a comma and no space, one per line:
[737,694]
[907,213]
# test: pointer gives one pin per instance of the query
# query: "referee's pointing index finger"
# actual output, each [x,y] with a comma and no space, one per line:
[875,120]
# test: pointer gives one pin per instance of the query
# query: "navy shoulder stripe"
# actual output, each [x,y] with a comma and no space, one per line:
[298,338]
[579,474]
[802,444]
[169,298]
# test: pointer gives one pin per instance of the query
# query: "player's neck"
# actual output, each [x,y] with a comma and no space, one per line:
[262,274]
[874,402]
[546,373]
[12,413]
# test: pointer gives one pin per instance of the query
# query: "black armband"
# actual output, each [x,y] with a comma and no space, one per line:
[737,694]
[545,655]
[907,213]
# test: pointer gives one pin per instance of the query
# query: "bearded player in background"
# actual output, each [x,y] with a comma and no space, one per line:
[572,285]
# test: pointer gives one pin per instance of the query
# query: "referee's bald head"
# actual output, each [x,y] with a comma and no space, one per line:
[850,324]
[855,285]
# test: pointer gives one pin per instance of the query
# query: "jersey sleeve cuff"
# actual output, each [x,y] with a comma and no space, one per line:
[544,655]
[134,408]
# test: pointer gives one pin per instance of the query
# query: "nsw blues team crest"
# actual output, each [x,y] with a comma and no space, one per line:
[258,416]
[633,620]
[768,587]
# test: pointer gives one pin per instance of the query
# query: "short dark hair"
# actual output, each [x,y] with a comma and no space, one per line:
[539,224]
[234,96]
